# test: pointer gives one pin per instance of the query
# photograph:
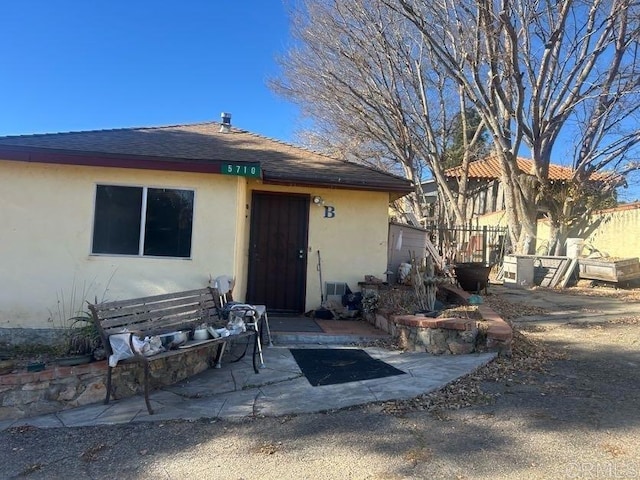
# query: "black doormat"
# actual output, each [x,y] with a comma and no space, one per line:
[325,366]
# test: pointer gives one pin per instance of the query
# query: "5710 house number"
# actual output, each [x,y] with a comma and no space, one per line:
[242,169]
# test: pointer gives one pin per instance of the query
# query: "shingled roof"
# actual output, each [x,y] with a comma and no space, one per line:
[199,147]
[489,169]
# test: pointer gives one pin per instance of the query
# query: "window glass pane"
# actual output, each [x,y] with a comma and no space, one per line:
[169,222]
[117,220]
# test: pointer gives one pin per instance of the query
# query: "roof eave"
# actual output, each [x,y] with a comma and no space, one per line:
[113,160]
[116,160]
[309,182]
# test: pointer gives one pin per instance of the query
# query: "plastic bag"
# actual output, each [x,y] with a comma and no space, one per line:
[121,347]
[152,345]
[403,273]
[236,323]
[226,309]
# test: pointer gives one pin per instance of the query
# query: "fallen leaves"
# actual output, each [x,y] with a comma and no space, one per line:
[591,289]
[268,448]
[31,469]
[418,455]
[509,310]
[527,356]
[613,450]
[470,312]
[634,320]
[21,429]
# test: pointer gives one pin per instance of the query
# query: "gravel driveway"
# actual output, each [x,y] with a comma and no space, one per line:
[566,405]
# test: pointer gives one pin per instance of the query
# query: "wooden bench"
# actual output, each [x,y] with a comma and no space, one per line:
[160,314]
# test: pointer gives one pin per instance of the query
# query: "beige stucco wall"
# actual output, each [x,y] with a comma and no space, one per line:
[617,232]
[46,221]
[352,244]
[46,218]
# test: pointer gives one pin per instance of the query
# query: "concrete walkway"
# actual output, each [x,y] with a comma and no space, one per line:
[562,308]
[235,391]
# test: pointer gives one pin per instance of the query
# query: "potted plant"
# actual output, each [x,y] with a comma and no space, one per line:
[81,342]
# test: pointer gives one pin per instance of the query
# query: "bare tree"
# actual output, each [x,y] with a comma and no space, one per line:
[551,77]
[362,72]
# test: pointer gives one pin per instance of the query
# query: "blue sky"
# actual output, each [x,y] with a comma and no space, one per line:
[83,65]
[68,65]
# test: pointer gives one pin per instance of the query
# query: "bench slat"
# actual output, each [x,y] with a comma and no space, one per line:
[201,303]
[155,326]
[108,311]
[118,317]
[154,298]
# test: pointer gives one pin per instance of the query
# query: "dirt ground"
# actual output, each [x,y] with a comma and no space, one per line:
[565,405]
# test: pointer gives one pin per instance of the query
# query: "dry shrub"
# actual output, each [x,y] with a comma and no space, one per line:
[398,301]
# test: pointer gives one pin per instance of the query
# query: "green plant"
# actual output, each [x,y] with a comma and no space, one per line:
[78,333]
[71,303]
[82,337]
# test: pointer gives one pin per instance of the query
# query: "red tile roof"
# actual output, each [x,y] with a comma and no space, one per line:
[489,168]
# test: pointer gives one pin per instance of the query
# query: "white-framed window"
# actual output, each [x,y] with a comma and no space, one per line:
[142,221]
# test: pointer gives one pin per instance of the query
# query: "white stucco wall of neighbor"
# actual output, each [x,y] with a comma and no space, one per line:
[46,225]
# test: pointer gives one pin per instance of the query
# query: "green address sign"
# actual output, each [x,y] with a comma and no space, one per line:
[242,169]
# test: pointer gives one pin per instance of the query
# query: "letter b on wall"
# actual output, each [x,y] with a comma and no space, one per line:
[329,211]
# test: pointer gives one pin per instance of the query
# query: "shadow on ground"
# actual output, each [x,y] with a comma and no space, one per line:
[578,416]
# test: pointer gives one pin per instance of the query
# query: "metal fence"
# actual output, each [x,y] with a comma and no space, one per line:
[486,244]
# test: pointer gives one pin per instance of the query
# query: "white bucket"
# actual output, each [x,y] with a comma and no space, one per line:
[575,247]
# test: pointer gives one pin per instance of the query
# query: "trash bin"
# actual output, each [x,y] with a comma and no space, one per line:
[575,247]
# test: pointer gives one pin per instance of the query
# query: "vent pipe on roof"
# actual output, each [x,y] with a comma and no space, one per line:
[225,126]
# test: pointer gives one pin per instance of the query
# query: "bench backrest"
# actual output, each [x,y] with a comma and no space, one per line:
[156,314]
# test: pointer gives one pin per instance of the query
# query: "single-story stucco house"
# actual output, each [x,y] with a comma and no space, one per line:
[124,213]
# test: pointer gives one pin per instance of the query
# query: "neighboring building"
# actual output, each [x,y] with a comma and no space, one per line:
[124,213]
[486,194]
[485,188]
[485,208]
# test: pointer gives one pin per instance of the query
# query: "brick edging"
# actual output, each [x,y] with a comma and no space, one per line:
[53,373]
[493,325]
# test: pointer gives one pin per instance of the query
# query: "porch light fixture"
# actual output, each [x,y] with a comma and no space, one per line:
[318,200]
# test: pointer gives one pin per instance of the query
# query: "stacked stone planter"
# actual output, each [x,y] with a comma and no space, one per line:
[437,336]
[453,336]
[25,394]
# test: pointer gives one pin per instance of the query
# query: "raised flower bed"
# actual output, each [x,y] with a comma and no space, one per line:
[456,330]
[609,269]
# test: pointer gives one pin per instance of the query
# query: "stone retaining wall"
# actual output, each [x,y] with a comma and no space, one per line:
[25,394]
[437,336]
[449,335]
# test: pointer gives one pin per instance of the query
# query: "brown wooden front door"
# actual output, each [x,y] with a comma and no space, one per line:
[278,252]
